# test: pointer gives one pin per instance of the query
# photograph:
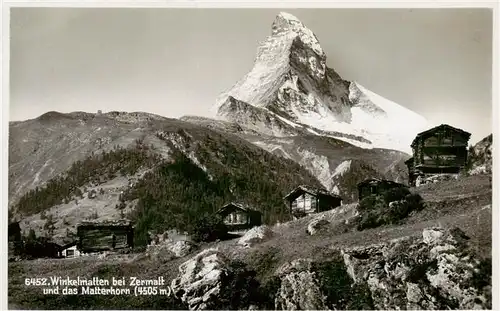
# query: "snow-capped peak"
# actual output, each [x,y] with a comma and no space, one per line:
[342,168]
[287,23]
[288,17]
[290,83]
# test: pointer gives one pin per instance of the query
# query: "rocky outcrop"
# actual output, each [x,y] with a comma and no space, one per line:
[480,156]
[199,283]
[434,178]
[256,235]
[169,245]
[299,288]
[434,272]
[316,225]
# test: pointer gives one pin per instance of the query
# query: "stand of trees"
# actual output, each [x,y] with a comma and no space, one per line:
[96,169]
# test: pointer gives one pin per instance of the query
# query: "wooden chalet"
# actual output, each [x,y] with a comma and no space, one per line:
[238,217]
[439,150]
[96,237]
[376,186]
[305,200]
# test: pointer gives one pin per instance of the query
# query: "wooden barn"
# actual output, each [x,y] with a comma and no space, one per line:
[238,217]
[305,200]
[15,239]
[439,150]
[96,237]
[376,186]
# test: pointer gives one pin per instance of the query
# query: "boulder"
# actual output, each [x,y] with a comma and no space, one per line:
[316,225]
[165,248]
[256,235]
[433,272]
[181,248]
[433,236]
[434,178]
[200,279]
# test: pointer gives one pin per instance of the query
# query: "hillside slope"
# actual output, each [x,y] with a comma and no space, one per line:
[160,172]
[322,156]
[423,263]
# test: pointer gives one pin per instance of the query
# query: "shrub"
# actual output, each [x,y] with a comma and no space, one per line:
[395,194]
[482,277]
[377,210]
[372,202]
[415,202]
[298,213]
[209,229]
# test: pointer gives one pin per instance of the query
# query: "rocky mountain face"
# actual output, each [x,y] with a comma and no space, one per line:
[480,156]
[290,89]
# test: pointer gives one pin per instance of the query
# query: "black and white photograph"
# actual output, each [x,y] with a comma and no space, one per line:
[205,157]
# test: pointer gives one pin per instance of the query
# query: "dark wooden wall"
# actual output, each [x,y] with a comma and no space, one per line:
[443,147]
[99,238]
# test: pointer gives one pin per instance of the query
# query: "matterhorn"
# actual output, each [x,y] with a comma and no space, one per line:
[291,91]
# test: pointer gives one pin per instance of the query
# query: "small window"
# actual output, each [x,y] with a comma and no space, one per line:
[70,253]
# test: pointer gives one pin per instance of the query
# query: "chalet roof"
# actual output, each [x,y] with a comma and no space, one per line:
[118,223]
[241,206]
[369,181]
[52,244]
[429,131]
[106,224]
[69,245]
[311,190]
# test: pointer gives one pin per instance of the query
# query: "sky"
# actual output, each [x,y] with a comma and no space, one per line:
[174,62]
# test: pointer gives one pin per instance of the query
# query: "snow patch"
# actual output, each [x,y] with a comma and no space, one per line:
[336,190]
[37,175]
[342,168]
[316,165]
[178,142]
[273,148]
